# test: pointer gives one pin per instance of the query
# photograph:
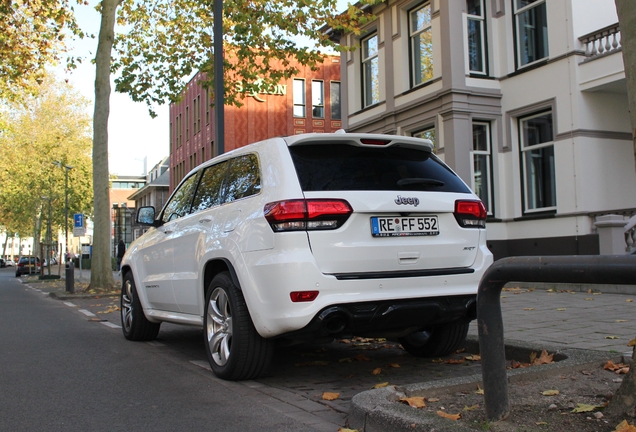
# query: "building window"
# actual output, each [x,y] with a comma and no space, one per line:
[537,162]
[532,31]
[172,140]
[476,36]
[187,121]
[421,40]
[336,113]
[482,164]
[299,98]
[370,71]
[318,99]
[196,116]
[429,134]
[207,106]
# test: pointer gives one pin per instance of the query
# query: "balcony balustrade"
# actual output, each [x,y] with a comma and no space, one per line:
[602,42]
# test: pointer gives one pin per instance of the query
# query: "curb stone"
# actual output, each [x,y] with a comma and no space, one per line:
[377,410]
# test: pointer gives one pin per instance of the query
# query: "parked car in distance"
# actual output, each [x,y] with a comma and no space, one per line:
[10,263]
[53,262]
[3,263]
[27,264]
[310,237]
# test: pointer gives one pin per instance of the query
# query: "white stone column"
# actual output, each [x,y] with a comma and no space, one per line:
[611,234]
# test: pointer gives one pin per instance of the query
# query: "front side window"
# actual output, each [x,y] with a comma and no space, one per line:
[181,201]
[476,36]
[482,164]
[537,159]
[318,99]
[299,98]
[370,71]
[336,113]
[244,178]
[429,134]
[421,40]
[532,31]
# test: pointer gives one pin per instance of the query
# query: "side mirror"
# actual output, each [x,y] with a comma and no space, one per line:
[146,216]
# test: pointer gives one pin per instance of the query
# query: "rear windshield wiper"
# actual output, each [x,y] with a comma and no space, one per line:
[420,180]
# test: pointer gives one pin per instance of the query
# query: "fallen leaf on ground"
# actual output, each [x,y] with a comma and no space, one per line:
[629,300]
[580,408]
[471,408]
[560,309]
[415,402]
[393,365]
[611,337]
[433,399]
[550,393]
[380,385]
[449,416]
[454,361]
[621,320]
[330,396]
[376,371]
[541,423]
[347,430]
[361,357]
[625,427]
[514,364]
[631,342]
[619,368]
[474,357]
[479,391]
[528,309]
[437,361]
[589,298]
[345,360]
[544,358]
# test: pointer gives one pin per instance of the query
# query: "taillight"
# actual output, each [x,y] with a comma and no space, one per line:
[369,141]
[470,214]
[310,214]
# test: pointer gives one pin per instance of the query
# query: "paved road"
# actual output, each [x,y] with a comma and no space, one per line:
[301,374]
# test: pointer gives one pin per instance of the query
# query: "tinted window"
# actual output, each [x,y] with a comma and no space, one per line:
[244,178]
[209,191]
[179,204]
[334,167]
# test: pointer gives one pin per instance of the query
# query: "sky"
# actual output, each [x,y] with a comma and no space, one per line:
[136,141]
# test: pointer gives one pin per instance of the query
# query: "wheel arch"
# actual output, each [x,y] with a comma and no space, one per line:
[213,268]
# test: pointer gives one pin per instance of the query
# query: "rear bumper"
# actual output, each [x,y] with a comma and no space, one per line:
[393,318]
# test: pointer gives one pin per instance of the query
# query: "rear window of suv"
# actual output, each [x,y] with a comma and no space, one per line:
[341,167]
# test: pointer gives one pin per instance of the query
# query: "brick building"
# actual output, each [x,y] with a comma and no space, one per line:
[308,102]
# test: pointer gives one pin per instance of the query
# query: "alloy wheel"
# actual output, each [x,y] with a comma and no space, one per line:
[219,326]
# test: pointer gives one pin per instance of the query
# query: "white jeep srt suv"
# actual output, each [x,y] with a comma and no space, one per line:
[306,237]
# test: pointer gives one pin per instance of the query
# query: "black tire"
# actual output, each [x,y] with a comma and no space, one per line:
[235,349]
[437,342]
[134,323]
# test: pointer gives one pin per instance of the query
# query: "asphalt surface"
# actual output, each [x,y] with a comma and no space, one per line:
[567,317]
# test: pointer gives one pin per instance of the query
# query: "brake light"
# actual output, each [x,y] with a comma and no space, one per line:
[374,141]
[310,214]
[470,214]
[303,296]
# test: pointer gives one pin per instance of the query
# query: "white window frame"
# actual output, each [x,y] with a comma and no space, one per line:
[530,206]
[318,99]
[425,133]
[369,62]
[518,12]
[416,75]
[487,177]
[480,20]
[299,97]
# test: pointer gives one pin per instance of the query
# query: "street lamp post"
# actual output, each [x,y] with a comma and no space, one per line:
[67,168]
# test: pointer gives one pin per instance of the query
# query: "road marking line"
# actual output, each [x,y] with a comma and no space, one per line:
[69,304]
[110,324]
[202,364]
[87,313]
[155,344]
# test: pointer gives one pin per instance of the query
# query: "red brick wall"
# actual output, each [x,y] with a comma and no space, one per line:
[254,121]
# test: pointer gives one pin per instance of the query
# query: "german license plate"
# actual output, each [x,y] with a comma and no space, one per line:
[404,226]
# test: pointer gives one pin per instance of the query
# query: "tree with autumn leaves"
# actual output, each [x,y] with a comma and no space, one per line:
[36,131]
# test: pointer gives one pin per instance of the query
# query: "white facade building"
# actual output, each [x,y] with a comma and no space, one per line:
[525,99]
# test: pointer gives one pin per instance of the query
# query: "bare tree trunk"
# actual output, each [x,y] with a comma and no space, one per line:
[624,401]
[101,268]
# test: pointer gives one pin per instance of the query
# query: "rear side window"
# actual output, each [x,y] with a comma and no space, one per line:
[244,178]
[209,193]
[341,167]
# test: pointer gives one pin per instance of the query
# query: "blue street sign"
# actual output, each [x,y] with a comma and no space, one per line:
[78,220]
